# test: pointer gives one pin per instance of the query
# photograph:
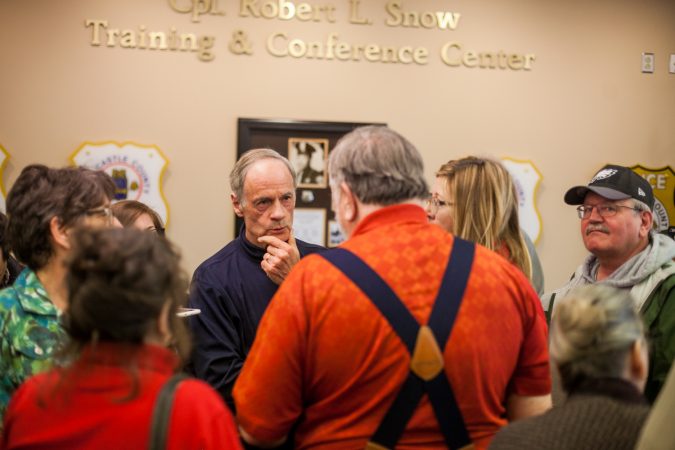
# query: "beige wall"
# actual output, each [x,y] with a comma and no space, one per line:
[585,103]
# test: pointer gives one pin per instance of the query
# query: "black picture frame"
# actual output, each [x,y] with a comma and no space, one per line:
[277,134]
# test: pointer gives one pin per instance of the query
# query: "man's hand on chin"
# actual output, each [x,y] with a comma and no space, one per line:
[280,257]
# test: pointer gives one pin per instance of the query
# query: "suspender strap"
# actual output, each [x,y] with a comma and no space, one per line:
[447,412]
[451,292]
[441,321]
[379,292]
[400,412]
[159,428]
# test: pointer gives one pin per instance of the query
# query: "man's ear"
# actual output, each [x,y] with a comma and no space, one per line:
[236,205]
[647,224]
[348,203]
[59,233]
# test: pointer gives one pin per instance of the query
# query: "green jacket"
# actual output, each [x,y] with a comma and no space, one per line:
[649,276]
[29,333]
[658,313]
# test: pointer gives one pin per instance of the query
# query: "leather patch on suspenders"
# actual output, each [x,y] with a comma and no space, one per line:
[427,359]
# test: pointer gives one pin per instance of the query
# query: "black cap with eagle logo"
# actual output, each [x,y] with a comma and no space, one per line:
[614,183]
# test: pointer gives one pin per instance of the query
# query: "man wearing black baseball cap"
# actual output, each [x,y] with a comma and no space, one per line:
[615,209]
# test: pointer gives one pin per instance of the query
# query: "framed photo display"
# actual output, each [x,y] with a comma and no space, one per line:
[307,145]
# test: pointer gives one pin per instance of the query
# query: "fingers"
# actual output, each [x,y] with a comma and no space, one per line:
[273,241]
[280,257]
[278,252]
[272,272]
[284,250]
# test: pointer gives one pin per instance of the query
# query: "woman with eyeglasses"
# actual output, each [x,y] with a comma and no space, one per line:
[599,348]
[132,213]
[124,289]
[475,199]
[44,206]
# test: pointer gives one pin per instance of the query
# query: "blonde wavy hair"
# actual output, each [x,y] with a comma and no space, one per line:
[485,207]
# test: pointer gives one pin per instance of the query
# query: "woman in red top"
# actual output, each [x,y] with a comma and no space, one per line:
[475,199]
[124,289]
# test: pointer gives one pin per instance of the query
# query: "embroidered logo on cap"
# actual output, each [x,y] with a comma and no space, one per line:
[604,173]
[641,192]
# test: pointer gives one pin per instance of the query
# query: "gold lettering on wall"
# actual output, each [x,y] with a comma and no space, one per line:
[151,40]
[354,16]
[280,45]
[453,55]
[196,8]
[286,10]
[444,20]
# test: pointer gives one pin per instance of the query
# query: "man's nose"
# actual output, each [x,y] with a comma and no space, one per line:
[278,211]
[595,215]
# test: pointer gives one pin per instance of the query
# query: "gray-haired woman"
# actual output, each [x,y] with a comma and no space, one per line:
[598,345]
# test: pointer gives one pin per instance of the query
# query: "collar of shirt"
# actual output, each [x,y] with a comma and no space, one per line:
[388,215]
[32,295]
[255,252]
[143,356]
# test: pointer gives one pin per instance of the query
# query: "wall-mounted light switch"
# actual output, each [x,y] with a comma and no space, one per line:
[647,63]
[671,67]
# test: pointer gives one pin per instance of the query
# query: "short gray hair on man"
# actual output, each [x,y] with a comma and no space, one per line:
[643,207]
[380,166]
[240,169]
[592,332]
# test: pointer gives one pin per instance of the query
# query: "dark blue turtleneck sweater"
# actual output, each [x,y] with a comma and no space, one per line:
[232,292]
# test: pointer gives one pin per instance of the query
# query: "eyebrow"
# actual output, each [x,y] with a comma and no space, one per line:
[269,198]
[261,199]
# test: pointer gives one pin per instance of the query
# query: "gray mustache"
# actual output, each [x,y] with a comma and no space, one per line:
[601,228]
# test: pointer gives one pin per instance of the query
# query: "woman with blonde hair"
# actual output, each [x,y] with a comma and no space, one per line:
[475,199]
[599,348]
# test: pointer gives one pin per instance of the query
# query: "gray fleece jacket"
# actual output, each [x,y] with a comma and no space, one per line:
[641,274]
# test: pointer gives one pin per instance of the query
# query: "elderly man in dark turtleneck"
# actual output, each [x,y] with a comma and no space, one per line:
[233,287]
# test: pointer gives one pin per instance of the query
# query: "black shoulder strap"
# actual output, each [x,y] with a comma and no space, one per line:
[162,412]
[406,327]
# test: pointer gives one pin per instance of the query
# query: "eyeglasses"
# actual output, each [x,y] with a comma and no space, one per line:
[105,212]
[433,203]
[605,210]
[160,231]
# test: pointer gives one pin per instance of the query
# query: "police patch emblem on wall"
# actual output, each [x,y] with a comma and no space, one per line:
[663,184]
[4,156]
[526,178]
[136,169]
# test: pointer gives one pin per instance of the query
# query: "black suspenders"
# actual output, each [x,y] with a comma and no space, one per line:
[425,344]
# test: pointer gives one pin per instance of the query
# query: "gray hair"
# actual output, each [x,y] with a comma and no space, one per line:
[240,169]
[642,206]
[380,166]
[593,330]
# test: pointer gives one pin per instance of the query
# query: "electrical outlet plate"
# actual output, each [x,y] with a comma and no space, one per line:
[647,63]
[671,67]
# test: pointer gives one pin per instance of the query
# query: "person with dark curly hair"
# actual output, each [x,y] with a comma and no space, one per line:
[125,287]
[9,266]
[44,206]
